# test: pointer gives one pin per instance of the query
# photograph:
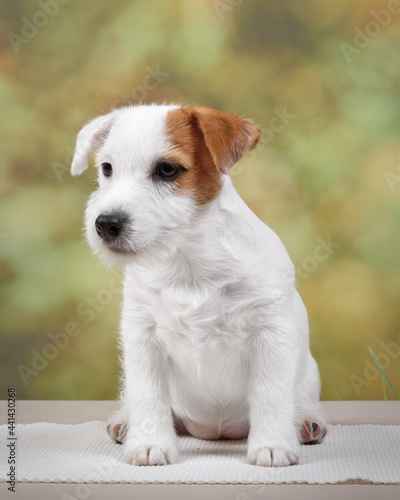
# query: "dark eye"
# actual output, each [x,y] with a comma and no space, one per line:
[168,171]
[107,169]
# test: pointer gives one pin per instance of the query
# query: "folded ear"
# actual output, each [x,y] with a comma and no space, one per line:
[227,137]
[90,137]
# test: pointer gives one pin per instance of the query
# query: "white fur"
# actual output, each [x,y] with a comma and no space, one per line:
[212,326]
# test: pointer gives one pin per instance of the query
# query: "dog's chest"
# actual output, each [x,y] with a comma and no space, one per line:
[199,303]
[191,312]
[207,317]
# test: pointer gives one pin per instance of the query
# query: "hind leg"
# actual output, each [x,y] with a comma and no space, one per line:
[310,420]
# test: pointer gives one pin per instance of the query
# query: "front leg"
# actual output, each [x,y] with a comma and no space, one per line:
[273,440]
[150,437]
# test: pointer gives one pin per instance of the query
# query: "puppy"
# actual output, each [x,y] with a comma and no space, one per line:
[214,335]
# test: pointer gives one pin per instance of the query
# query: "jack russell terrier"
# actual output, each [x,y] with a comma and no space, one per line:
[214,335]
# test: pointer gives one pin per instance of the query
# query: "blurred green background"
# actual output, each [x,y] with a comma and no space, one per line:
[319,77]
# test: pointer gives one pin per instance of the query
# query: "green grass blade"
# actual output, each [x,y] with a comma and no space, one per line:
[383,372]
[385,395]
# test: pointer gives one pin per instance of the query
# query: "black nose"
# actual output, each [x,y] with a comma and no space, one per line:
[109,227]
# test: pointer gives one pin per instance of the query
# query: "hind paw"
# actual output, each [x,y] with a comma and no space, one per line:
[312,432]
[117,431]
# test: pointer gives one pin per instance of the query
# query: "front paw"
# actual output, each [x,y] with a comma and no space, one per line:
[150,454]
[273,455]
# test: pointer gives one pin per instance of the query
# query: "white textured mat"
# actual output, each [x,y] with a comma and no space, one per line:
[84,453]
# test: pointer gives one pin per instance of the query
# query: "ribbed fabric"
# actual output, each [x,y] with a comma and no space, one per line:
[84,453]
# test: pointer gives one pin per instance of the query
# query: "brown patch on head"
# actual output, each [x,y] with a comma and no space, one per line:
[207,143]
[189,150]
